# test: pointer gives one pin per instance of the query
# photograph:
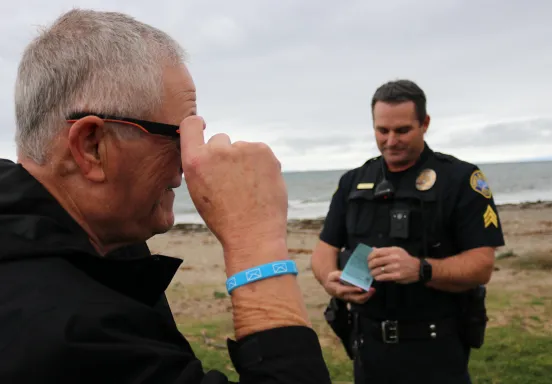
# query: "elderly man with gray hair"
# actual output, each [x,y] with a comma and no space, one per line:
[106,127]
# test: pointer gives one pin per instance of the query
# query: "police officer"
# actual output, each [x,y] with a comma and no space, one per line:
[433,225]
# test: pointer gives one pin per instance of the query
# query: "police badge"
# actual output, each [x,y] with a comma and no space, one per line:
[426,179]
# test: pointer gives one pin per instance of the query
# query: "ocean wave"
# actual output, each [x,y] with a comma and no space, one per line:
[301,210]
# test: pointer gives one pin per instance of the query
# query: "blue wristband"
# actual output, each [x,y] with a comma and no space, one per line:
[261,272]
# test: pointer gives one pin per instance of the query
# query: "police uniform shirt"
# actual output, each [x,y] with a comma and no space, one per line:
[469,210]
[450,210]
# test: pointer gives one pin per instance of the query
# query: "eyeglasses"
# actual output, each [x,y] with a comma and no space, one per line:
[144,125]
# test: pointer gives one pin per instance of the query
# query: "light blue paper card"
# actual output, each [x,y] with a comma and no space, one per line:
[356,271]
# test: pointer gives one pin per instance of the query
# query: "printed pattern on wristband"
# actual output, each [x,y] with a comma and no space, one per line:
[261,272]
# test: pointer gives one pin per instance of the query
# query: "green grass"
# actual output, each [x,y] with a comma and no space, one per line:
[518,344]
[511,354]
[517,349]
[540,264]
[539,261]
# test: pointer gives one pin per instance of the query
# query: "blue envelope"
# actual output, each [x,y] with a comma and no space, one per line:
[356,271]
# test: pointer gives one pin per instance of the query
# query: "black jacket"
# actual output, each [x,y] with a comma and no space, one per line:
[70,316]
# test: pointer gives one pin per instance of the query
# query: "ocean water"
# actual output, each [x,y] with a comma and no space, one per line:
[309,193]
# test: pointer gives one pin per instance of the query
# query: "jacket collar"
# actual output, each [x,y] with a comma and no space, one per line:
[34,225]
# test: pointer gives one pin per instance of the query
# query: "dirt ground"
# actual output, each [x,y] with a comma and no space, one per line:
[522,272]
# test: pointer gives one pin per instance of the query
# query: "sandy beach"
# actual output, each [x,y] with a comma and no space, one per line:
[197,292]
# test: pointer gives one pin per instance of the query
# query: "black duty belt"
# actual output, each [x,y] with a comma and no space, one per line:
[392,331]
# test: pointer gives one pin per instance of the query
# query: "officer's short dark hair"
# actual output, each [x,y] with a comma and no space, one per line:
[399,91]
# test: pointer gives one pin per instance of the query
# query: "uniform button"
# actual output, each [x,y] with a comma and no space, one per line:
[433,335]
[432,326]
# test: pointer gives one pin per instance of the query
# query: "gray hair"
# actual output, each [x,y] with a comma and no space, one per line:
[104,62]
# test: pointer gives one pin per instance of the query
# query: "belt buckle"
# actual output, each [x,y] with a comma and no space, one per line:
[390,331]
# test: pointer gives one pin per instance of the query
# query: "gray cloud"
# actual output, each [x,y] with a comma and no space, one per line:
[533,131]
[315,141]
[300,75]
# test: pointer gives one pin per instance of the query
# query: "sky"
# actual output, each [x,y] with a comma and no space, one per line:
[299,75]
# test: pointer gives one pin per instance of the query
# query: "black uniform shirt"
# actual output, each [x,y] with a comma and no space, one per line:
[470,212]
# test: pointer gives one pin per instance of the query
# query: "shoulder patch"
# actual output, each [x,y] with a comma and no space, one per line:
[479,184]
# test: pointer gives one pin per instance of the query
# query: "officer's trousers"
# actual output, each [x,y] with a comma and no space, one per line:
[440,361]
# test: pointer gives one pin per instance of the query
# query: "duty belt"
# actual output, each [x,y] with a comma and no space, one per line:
[392,331]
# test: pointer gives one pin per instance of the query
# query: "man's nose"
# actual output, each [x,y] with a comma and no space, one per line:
[391,139]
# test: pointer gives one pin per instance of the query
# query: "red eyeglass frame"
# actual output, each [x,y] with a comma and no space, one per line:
[144,125]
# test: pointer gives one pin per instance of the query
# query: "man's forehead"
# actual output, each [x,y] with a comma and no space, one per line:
[180,94]
[178,79]
[395,111]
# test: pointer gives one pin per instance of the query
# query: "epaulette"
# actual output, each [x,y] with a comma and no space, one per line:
[460,164]
[445,157]
[372,159]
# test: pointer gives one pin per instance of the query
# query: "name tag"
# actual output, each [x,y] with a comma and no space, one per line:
[365,186]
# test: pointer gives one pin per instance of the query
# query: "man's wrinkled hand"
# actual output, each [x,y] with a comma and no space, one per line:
[394,264]
[237,188]
[336,288]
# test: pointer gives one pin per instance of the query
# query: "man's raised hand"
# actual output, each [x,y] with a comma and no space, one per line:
[237,188]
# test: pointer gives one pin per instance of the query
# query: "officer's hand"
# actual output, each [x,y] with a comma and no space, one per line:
[394,264]
[336,288]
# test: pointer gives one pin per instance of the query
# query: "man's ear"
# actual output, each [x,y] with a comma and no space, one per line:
[425,125]
[86,136]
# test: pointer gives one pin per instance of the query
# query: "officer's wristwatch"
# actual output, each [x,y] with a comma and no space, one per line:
[425,271]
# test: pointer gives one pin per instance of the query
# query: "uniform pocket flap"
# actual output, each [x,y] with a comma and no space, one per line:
[365,194]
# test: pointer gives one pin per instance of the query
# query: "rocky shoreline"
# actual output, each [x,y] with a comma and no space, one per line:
[295,225]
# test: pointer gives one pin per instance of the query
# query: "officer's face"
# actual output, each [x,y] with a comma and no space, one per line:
[399,134]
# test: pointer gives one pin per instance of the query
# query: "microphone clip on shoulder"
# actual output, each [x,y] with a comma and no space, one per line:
[384,190]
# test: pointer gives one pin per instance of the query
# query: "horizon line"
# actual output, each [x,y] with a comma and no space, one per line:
[519,161]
